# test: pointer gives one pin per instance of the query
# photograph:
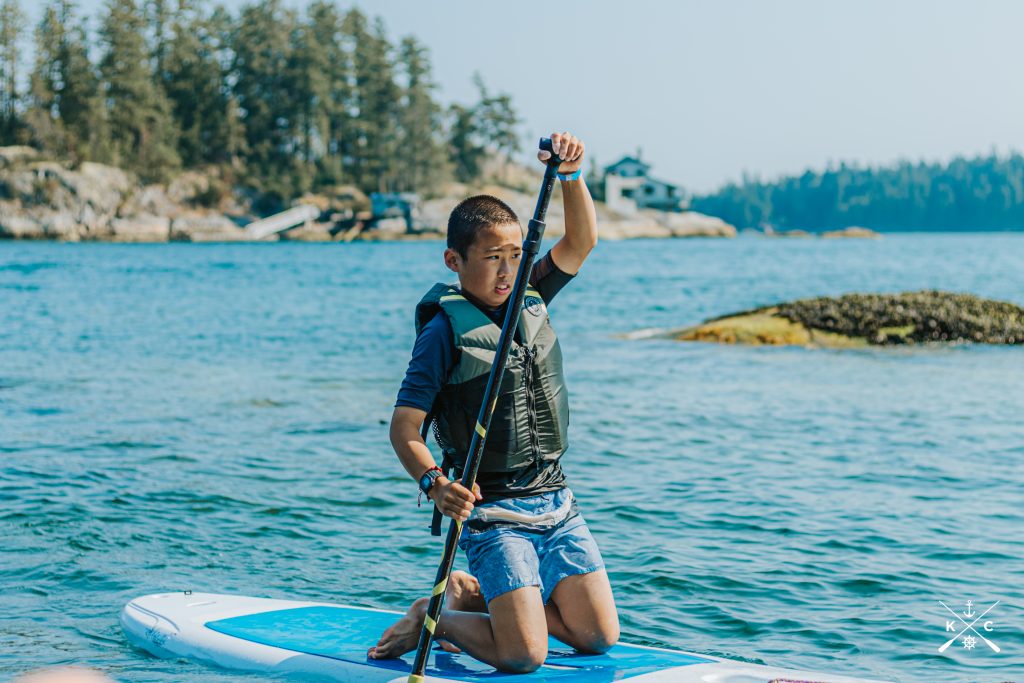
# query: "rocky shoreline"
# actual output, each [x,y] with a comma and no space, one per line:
[853,231]
[47,200]
[859,320]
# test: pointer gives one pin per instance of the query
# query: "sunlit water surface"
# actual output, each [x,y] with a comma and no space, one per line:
[214,418]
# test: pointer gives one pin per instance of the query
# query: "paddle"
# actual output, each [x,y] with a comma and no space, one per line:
[476,447]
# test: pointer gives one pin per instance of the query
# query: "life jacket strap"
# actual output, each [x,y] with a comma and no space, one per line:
[447,465]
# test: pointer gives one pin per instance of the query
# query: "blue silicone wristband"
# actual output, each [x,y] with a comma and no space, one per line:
[571,177]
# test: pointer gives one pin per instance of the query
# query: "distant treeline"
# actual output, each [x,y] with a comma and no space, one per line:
[282,101]
[984,193]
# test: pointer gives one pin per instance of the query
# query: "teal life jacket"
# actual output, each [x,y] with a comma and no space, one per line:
[530,423]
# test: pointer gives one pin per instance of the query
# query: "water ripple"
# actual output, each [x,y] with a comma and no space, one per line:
[800,508]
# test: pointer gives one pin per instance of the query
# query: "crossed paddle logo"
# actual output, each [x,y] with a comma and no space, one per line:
[969,641]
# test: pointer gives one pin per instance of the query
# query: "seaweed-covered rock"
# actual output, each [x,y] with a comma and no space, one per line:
[862,319]
[912,317]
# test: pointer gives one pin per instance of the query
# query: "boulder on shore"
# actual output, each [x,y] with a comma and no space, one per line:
[852,231]
[209,228]
[16,154]
[868,319]
[143,228]
[14,226]
[802,234]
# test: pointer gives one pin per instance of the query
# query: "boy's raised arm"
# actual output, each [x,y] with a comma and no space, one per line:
[580,238]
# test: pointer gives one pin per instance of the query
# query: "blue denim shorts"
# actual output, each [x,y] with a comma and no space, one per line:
[535,541]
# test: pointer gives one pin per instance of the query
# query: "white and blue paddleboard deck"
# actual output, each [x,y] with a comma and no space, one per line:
[326,641]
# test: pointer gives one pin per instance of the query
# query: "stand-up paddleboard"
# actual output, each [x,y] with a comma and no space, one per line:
[326,641]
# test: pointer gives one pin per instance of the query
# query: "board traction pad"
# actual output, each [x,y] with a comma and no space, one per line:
[345,633]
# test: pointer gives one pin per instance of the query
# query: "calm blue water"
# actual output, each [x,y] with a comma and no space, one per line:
[214,417]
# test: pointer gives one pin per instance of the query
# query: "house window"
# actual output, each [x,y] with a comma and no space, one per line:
[649,189]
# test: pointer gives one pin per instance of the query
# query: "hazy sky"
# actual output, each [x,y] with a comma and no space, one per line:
[709,90]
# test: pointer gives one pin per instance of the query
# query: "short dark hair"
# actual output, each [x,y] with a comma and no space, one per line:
[474,214]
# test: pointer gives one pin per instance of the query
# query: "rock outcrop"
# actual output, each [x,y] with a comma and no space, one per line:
[208,228]
[868,319]
[852,231]
[49,200]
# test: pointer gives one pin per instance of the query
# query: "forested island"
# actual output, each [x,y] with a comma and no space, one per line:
[980,194]
[186,111]
[278,101]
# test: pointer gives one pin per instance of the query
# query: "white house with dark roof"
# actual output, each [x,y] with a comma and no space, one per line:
[629,167]
[628,187]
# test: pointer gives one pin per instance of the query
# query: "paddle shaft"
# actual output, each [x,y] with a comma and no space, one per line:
[531,246]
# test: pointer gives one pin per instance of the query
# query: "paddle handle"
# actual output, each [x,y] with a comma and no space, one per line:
[548,146]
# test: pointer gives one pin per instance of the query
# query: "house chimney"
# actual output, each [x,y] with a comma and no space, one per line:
[639,154]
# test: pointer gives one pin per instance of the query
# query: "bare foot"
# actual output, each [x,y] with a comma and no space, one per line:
[403,635]
[463,593]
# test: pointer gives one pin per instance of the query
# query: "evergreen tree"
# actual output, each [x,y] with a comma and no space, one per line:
[160,15]
[142,128]
[262,52]
[82,106]
[194,79]
[498,120]
[329,83]
[222,26]
[65,113]
[491,125]
[308,86]
[376,103]
[12,23]
[423,165]
[466,150]
[43,117]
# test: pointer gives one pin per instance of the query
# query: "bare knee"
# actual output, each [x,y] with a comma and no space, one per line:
[597,642]
[523,660]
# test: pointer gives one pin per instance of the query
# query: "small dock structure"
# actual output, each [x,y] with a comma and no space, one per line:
[279,222]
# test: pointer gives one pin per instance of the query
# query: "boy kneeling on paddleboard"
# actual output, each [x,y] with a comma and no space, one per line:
[534,567]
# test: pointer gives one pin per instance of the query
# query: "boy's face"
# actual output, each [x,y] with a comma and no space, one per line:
[492,260]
